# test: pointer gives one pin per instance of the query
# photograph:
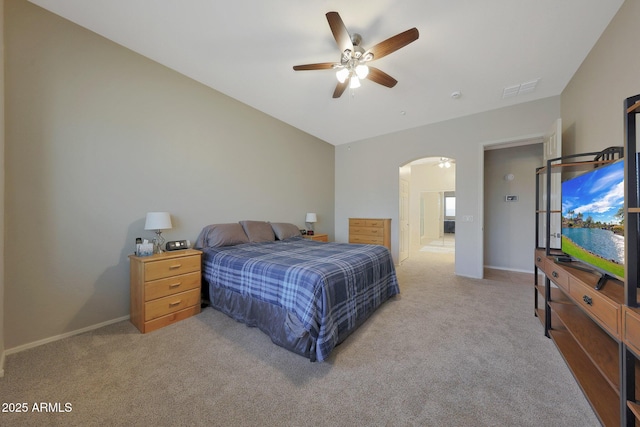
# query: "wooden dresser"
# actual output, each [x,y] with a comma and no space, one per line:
[165,288]
[372,231]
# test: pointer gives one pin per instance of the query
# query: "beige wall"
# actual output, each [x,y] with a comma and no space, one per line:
[592,102]
[96,137]
[367,171]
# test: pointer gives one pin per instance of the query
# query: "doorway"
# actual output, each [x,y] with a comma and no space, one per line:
[427,206]
[437,221]
[509,204]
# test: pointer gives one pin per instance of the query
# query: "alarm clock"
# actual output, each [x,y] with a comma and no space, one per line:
[177,245]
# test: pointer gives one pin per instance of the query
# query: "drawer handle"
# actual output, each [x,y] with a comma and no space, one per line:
[173,267]
[173,304]
[538,259]
[175,285]
[554,274]
[587,299]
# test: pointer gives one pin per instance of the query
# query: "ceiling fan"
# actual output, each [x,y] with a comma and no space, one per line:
[353,65]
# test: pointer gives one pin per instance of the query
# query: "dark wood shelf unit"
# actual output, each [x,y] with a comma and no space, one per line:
[596,344]
[603,399]
[631,318]
[587,335]
[634,408]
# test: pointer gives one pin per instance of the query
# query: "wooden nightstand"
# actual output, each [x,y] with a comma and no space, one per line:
[165,288]
[318,237]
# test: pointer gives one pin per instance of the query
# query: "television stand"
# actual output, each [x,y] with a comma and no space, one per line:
[604,278]
[586,325]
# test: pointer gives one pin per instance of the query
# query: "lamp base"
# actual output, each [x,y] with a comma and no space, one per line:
[158,242]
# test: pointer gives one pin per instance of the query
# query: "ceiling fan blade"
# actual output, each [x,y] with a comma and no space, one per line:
[339,31]
[394,43]
[380,77]
[320,66]
[340,89]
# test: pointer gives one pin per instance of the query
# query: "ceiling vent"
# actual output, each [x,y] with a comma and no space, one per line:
[521,89]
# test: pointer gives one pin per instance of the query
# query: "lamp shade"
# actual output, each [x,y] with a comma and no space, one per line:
[158,221]
[311,217]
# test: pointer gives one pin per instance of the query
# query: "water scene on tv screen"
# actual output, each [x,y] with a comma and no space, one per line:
[593,218]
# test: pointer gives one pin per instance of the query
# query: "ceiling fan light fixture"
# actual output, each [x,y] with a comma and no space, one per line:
[354,83]
[362,71]
[444,163]
[342,75]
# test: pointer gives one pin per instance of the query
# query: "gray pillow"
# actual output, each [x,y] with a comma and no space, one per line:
[285,230]
[216,235]
[258,231]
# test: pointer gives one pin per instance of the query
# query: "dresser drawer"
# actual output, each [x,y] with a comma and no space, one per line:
[367,240]
[366,231]
[631,329]
[361,222]
[607,312]
[540,258]
[171,285]
[171,267]
[557,275]
[170,304]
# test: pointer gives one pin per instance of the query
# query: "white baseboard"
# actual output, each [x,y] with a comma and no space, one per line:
[516,270]
[60,337]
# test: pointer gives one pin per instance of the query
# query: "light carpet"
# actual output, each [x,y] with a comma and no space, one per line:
[449,351]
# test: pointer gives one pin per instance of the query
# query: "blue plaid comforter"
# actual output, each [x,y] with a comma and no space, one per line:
[328,286]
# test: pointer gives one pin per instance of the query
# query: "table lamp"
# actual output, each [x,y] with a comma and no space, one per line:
[310,219]
[158,221]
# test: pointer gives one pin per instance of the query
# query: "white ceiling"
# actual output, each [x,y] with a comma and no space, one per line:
[246,49]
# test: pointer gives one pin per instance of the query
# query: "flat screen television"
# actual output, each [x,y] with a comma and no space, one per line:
[593,219]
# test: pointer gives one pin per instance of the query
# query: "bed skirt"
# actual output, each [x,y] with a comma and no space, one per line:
[282,326]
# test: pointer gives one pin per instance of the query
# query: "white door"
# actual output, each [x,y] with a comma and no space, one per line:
[404,220]
[552,150]
[432,223]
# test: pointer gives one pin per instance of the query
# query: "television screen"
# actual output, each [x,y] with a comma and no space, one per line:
[593,218]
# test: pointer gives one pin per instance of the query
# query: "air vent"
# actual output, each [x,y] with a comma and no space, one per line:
[521,89]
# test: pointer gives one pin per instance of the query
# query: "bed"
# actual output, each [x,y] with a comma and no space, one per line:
[307,296]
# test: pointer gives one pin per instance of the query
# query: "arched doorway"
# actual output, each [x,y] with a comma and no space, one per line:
[427,206]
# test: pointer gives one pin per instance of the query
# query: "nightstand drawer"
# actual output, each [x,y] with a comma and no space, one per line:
[317,237]
[596,305]
[170,304]
[171,267]
[171,285]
